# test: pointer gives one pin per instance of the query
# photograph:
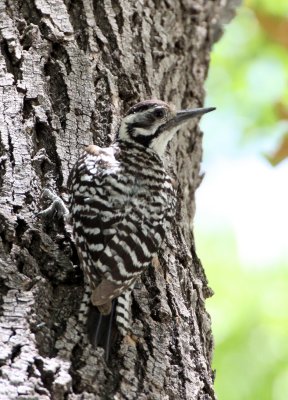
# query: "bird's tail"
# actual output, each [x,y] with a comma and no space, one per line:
[101,328]
[123,312]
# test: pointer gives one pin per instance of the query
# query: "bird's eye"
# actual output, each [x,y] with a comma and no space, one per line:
[159,112]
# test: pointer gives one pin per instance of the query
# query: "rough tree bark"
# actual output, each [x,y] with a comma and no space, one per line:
[69,69]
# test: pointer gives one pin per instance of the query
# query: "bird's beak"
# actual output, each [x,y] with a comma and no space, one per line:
[185,115]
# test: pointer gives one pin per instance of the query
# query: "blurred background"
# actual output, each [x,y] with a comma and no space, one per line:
[241,225]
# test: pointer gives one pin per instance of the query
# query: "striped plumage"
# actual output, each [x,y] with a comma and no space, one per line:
[122,201]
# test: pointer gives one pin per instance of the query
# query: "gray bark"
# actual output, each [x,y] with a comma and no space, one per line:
[69,69]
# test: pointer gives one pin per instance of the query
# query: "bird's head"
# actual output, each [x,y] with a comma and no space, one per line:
[152,123]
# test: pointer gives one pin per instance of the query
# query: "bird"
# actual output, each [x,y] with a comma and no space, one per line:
[122,202]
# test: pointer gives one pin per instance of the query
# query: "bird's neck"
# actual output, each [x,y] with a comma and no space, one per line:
[131,146]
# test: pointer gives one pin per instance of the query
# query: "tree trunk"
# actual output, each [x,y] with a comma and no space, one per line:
[69,69]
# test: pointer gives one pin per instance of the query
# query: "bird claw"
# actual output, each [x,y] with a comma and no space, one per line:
[155,262]
[131,340]
[57,206]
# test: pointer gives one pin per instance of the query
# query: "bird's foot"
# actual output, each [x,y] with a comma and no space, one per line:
[155,262]
[57,205]
[131,340]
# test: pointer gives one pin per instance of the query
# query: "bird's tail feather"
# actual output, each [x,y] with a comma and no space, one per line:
[100,328]
[123,312]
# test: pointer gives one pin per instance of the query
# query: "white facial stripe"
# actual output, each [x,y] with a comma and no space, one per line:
[159,144]
[132,119]
[144,132]
[123,134]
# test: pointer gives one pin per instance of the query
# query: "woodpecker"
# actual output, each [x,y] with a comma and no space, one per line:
[122,201]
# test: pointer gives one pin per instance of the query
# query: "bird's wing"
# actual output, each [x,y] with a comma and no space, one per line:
[125,256]
[138,237]
[95,211]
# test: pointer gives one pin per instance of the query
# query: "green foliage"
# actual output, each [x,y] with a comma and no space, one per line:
[250,325]
[279,7]
[248,85]
[249,70]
